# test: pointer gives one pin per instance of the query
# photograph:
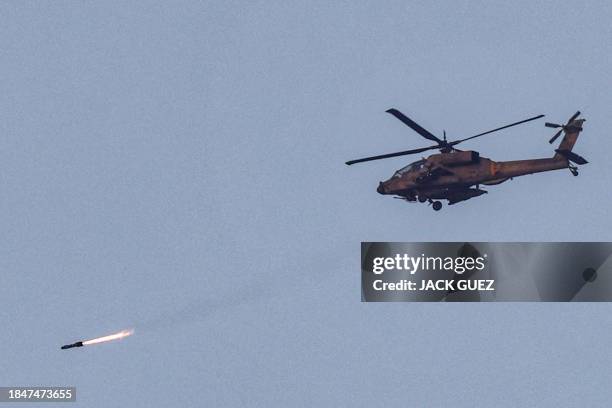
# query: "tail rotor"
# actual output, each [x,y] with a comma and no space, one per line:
[562,128]
[572,129]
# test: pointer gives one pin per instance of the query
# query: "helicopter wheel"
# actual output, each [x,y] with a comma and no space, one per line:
[422,198]
[574,170]
[437,205]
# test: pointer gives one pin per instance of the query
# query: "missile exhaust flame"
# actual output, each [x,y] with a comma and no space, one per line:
[110,337]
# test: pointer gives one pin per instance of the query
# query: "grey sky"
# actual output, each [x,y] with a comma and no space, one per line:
[178,167]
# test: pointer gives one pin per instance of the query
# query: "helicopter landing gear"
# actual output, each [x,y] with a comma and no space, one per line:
[436,205]
[573,169]
[422,198]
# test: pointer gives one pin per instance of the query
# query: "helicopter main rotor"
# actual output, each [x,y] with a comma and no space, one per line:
[442,144]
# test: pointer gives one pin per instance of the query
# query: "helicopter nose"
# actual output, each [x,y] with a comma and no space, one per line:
[381,188]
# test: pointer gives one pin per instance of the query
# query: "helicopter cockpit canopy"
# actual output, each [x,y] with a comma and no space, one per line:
[412,166]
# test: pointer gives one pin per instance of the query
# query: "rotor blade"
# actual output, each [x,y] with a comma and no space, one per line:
[573,117]
[495,130]
[552,139]
[386,156]
[552,125]
[413,125]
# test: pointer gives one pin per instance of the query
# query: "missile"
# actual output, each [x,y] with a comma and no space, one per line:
[103,339]
[77,344]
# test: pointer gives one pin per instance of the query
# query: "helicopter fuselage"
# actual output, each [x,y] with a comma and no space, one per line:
[452,175]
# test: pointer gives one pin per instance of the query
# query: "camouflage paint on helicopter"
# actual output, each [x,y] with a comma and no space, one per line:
[456,175]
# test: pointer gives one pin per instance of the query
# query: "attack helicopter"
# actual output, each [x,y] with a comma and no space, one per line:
[457,175]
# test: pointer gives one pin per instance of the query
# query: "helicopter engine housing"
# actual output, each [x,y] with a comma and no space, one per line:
[458,158]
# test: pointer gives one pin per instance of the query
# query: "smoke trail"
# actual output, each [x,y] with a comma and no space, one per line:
[204,308]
